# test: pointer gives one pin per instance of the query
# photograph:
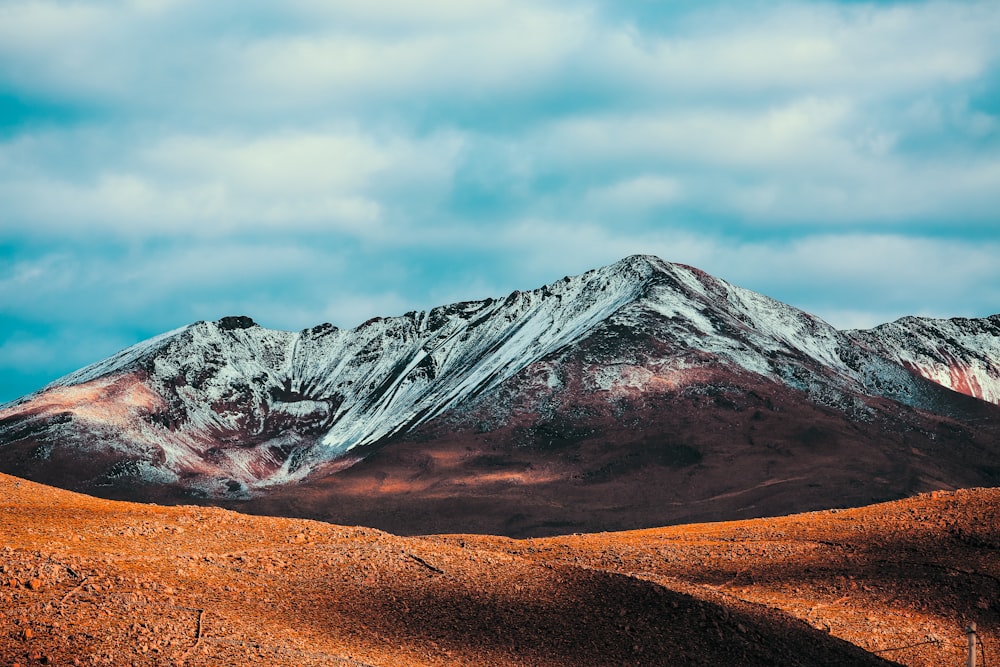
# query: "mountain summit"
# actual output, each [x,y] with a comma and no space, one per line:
[636,372]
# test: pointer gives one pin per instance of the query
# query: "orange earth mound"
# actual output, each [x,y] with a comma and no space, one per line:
[97,582]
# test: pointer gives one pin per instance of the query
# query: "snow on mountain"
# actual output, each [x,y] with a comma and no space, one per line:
[259,406]
[959,353]
[242,406]
[698,318]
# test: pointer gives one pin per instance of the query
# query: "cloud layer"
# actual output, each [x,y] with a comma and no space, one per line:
[163,161]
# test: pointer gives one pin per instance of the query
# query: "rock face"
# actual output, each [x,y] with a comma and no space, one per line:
[961,354]
[694,397]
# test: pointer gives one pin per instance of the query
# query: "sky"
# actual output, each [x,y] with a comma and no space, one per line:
[168,161]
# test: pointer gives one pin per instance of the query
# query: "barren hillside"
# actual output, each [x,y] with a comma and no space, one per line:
[89,581]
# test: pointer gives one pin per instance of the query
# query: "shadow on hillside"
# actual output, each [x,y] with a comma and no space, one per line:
[571,616]
[952,572]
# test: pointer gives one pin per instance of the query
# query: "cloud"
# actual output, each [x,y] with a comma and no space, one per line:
[858,49]
[192,184]
[169,160]
[633,195]
[310,61]
[774,137]
[811,114]
[161,282]
[895,275]
[521,47]
[809,161]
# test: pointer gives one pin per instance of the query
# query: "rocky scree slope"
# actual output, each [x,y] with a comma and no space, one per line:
[229,408]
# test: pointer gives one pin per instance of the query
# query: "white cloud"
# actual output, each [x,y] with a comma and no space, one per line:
[205,185]
[227,61]
[29,28]
[393,13]
[749,48]
[811,161]
[796,115]
[69,50]
[489,54]
[633,195]
[784,136]
[232,61]
[888,276]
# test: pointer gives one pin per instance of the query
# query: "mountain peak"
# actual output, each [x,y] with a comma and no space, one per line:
[644,265]
[960,353]
[641,261]
[233,322]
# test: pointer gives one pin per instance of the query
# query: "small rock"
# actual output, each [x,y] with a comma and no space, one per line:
[28,633]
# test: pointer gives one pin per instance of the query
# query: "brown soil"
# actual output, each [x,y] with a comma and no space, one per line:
[97,582]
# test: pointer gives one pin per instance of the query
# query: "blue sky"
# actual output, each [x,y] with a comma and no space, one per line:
[166,161]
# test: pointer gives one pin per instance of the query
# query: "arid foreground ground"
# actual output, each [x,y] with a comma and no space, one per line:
[89,581]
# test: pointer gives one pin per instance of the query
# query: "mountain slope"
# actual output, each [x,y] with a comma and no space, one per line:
[961,354]
[640,372]
[97,582]
[136,584]
[259,406]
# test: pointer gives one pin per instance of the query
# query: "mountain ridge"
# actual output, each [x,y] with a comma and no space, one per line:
[230,409]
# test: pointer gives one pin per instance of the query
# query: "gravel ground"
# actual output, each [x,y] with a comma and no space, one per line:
[85,581]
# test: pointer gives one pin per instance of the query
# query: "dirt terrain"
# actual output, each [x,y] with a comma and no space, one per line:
[96,582]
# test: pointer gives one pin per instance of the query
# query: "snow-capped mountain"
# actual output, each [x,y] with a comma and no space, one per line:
[230,408]
[959,353]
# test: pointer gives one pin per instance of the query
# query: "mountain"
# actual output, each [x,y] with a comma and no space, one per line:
[638,394]
[961,354]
